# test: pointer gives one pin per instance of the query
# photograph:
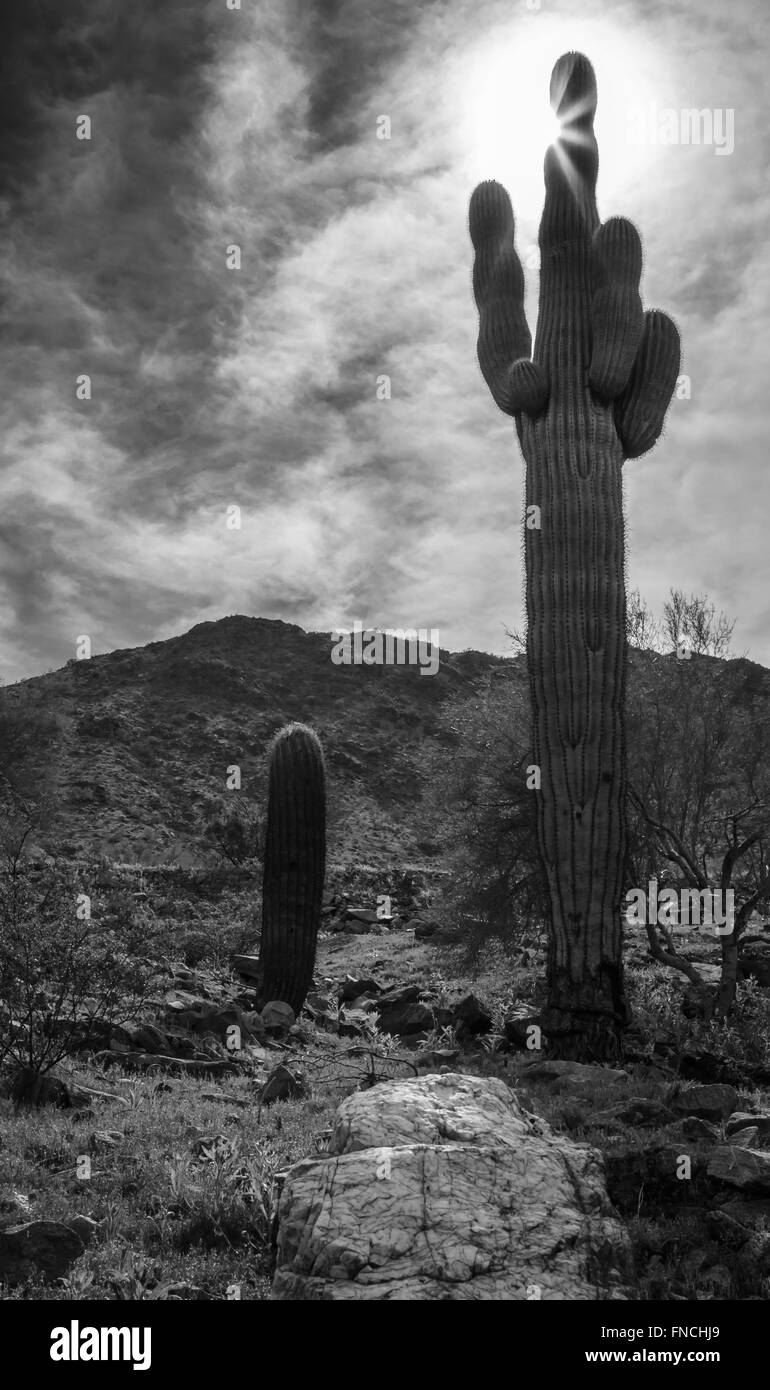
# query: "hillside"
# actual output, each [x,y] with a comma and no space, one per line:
[137,742]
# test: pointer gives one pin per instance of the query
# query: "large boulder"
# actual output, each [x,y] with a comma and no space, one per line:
[444,1188]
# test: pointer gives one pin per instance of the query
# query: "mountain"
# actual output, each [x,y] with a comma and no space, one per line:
[134,745]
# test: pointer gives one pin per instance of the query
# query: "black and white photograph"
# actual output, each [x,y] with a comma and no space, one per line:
[384,671]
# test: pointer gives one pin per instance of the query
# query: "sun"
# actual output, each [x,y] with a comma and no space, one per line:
[506,120]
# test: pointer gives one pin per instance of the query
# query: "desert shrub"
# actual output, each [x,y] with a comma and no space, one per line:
[71,961]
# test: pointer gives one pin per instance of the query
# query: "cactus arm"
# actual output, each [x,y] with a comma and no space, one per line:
[504,342]
[617,318]
[641,408]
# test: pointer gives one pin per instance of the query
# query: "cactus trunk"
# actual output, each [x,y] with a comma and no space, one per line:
[295,859]
[576,655]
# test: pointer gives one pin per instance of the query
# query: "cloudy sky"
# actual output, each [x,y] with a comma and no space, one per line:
[256,387]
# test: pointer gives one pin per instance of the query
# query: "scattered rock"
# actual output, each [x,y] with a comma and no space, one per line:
[105,1139]
[367,915]
[29,1088]
[352,988]
[37,1248]
[639,1111]
[694,1130]
[472,1017]
[698,1064]
[741,1119]
[179,1293]
[441,1188]
[749,1213]
[247,966]
[517,1026]
[321,1010]
[726,1229]
[210,1020]
[653,1171]
[566,1076]
[277,1017]
[144,1037]
[426,927]
[282,1084]
[85,1227]
[401,1011]
[748,1138]
[746,1169]
[713,1102]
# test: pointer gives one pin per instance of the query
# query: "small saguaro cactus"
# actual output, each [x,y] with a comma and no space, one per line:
[295,860]
[594,393]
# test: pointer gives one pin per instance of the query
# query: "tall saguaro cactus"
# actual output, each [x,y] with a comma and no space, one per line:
[595,393]
[295,860]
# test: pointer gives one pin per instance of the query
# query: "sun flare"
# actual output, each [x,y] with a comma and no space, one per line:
[507,122]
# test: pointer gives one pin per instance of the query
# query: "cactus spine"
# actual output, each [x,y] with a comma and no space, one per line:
[295,859]
[595,393]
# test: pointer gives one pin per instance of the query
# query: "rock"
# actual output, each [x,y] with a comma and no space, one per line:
[277,1017]
[426,927]
[102,1139]
[144,1037]
[401,1011]
[749,1214]
[352,988]
[355,927]
[747,1169]
[437,1058]
[639,1111]
[694,1130]
[322,1011]
[741,1119]
[85,1227]
[748,1138]
[37,1248]
[207,1019]
[179,1293]
[654,1170]
[566,1076]
[517,1026]
[698,1064]
[472,1017]
[28,1088]
[726,1229]
[442,1188]
[282,1084]
[713,1102]
[366,915]
[247,966]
